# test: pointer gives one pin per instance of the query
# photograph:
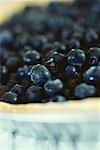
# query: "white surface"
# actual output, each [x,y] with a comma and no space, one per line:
[66,141]
[49,132]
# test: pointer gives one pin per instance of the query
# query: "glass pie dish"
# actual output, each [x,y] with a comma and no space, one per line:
[51,126]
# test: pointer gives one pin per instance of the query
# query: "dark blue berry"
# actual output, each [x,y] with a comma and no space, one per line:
[17,89]
[52,66]
[37,42]
[92,74]
[20,42]
[65,35]
[54,6]
[85,3]
[31,57]
[73,44]
[57,98]
[59,47]
[90,38]
[70,71]
[94,56]
[33,94]
[13,63]
[3,55]
[5,38]
[58,58]
[84,90]
[53,87]
[10,97]
[76,57]
[39,74]
[22,73]
[4,74]
[3,89]
[17,30]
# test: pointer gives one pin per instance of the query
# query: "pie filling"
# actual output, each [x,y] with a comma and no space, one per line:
[51,54]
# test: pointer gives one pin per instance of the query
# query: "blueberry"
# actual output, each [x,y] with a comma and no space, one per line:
[93,55]
[37,42]
[73,44]
[5,38]
[31,57]
[3,54]
[17,30]
[58,58]
[54,55]
[59,47]
[85,3]
[4,74]
[76,57]
[90,37]
[10,97]
[92,74]
[20,42]
[65,35]
[22,73]
[50,36]
[70,71]
[39,74]
[17,89]
[57,98]
[84,90]
[52,66]
[33,94]
[54,6]
[13,63]
[53,87]
[3,89]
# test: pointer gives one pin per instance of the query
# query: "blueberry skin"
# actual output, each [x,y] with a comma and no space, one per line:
[52,87]
[84,90]
[93,56]
[70,71]
[20,43]
[4,74]
[59,47]
[57,98]
[52,66]
[33,94]
[37,42]
[73,44]
[76,57]
[92,74]
[90,38]
[13,63]
[39,74]
[31,57]
[6,38]
[17,89]
[58,58]
[3,89]
[10,97]
[22,73]
[4,55]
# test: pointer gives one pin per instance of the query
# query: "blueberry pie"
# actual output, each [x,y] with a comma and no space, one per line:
[50,57]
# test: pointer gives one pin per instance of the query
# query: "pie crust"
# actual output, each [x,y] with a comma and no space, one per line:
[86,105]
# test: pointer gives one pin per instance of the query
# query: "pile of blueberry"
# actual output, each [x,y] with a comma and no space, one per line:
[51,54]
